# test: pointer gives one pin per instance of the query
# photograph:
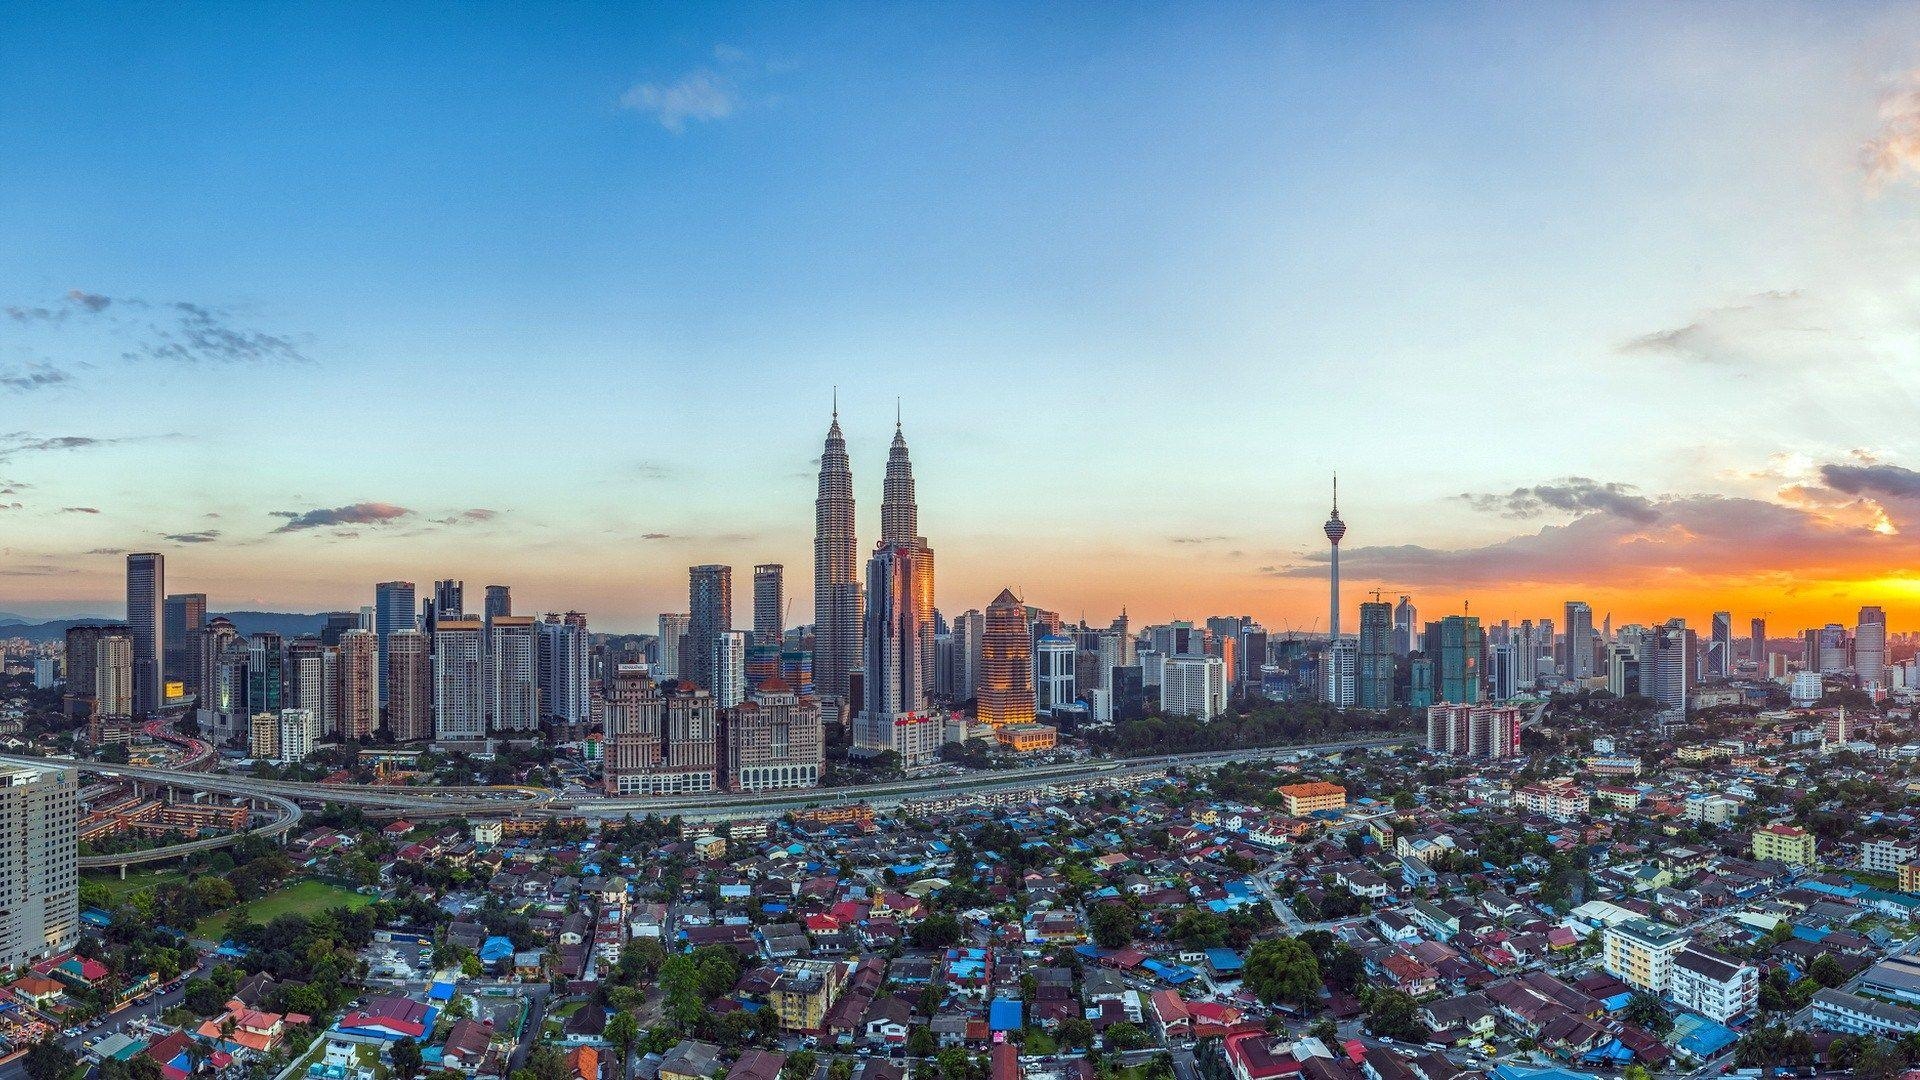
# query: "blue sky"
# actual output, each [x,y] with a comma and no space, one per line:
[1142,276]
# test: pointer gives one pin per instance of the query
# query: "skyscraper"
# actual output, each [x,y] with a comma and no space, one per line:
[1722,654]
[1053,678]
[186,613]
[564,669]
[968,629]
[513,687]
[837,614]
[897,666]
[449,602]
[1579,639]
[1375,656]
[1406,627]
[768,600]
[409,686]
[772,741]
[266,673]
[1870,647]
[730,668]
[499,601]
[113,674]
[83,649]
[359,695]
[1005,692]
[459,681]
[393,611]
[1757,646]
[1335,530]
[673,637]
[1455,644]
[40,878]
[710,607]
[146,592]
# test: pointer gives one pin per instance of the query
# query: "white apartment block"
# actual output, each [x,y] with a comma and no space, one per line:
[39,862]
[1715,986]
[1640,952]
[1887,856]
[1193,686]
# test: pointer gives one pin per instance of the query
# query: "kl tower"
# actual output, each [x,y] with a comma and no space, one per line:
[1335,530]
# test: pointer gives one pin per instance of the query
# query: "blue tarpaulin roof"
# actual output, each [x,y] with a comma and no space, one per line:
[496,948]
[1005,1015]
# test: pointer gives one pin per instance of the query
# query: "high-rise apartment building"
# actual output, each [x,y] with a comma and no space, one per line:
[1005,691]
[299,733]
[658,743]
[499,601]
[449,602]
[710,608]
[266,673]
[221,659]
[304,678]
[772,741]
[968,629]
[838,615]
[409,686]
[729,668]
[185,614]
[359,694]
[1757,646]
[1194,686]
[565,668]
[39,862]
[113,689]
[513,684]
[393,611]
[1668,662]
[1455,645]
[80,699]
[673,646]
[1374,689]
[1340,672]
[1474,731]
[459,681]
[146,600]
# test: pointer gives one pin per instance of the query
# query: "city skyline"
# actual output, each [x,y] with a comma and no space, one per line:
[1643,292]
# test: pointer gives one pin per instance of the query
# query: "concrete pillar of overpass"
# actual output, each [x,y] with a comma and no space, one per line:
[123,871]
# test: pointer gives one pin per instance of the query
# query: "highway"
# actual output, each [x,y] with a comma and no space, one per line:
[282,824]
[479,801]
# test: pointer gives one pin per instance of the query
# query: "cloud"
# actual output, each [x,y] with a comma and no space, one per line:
[1893,150]
[203,334]
[33,377]
[11,506]
[655,536]
[365,513]
[17,443]
[1780,329]
[33,570]
[91,301]
[706,93]
[79,509]
[1572,495]
[468,517]
[106,551]
[650,470]
[1197,539]
[204,536]
[1872,480]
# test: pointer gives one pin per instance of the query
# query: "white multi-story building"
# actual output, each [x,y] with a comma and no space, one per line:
[1887,856]
[673,630]
[1559,800]
[565,668]
[46,672]
[40,867]
[1715,986]
[1053,673]
[459,681]
[729,668]
[1640,952]
[1339,681]
[1193,686]
[299,731]
[513,681]
[1837,1010]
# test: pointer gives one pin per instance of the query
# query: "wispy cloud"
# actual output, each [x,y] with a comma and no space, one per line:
[201,334]
[706,93]
[79,509]
[1197,539]
[655,536]
[14,444]
[1776,329]
[364,513]
[32,377]
[475,516]
[203,536]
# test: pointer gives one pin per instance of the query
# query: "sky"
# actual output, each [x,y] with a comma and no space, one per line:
[1610,302]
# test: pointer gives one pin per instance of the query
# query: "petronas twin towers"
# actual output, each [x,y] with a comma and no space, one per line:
[886,635]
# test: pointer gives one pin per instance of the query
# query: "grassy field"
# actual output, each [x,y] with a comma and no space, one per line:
[300,898]
[136,880]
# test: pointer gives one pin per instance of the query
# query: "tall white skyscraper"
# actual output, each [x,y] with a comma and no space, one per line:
[513,688]
[729,668]
[1870,647]
[40,874]
[565,672]
[1579,639]
[459,681]
[299,731]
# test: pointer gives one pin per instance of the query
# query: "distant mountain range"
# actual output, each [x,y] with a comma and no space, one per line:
[286,623]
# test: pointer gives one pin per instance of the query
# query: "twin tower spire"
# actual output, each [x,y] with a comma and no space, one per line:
[837,596]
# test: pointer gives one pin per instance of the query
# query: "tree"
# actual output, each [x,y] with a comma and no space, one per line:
[800,1066]
[1283,971]
[406,1058]
[622,1031]
[48,1060]
[940,931]
[1114,924]
[1827,971]
[1075,1033]
[920,1041]
[1126,1036]
[1645,1010]
[1392,1016]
